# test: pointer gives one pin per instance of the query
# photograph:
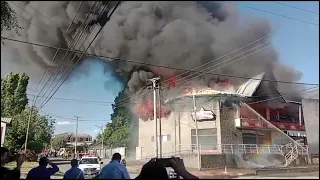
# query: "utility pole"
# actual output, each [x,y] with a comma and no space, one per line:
[197,137]
[28,124]
[154,87]
[76,138]
[102,148]
[160,131]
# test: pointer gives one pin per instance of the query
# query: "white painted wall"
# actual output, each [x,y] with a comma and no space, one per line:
[3,132]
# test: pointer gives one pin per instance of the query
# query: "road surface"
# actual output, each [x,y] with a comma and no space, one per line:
[64,165]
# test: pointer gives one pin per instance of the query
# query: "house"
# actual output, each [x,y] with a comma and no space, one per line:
[4,123]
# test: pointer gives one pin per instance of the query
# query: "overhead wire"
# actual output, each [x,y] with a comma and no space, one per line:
[54,56]
[249,103]
[287,82]
[72,45]
[26,12]
[261,10]
[110,103]
[116,6]
[161,66]
[294,7]
[58,69]
[192,70]
[208,71]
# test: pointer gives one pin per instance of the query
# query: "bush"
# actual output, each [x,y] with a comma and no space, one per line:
[30,156]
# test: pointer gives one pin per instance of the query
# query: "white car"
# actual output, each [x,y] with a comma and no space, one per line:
[90,165]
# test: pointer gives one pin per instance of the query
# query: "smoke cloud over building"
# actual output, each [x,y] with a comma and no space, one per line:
[175,34]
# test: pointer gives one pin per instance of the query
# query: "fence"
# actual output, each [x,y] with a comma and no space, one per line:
[107,153]
[220,149]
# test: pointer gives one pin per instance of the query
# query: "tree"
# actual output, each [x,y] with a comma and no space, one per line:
[8,18]
[118,132]
[13,94]
[40,130]
[58,143]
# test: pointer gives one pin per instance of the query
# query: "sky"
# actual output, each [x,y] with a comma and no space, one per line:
[297,43]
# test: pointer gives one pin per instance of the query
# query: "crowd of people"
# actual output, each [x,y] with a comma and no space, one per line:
[115,169]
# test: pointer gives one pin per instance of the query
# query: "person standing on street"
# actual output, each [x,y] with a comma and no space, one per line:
[114,170]
[42,172]
[74,172]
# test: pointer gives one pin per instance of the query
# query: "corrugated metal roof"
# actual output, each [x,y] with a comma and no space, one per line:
[249,87]
[310,108]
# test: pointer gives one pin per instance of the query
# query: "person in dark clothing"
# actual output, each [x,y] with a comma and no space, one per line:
[74,172]
[42,172]
[7,173]
[153,169]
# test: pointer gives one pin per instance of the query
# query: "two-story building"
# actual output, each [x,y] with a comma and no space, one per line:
[263,122]
[70,138]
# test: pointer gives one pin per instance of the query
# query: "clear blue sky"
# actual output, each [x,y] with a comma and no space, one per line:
[297,43]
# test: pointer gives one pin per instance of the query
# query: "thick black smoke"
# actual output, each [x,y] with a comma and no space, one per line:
[175,34]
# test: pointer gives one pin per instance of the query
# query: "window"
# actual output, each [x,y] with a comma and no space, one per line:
[164,138]
[207,137]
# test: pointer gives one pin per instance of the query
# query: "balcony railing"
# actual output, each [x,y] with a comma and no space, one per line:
[258,124]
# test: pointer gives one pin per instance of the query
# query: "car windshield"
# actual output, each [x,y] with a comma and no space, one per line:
[90,161]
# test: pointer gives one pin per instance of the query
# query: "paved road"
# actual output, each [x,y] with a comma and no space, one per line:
[64,165]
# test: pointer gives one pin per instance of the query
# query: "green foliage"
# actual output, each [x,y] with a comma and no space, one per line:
[36,146]
[13,94]
[40,130]
[13,105]
[117,133]
[8,18]
[31,156]
[58,143]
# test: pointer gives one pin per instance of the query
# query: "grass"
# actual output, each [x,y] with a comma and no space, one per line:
[27,166]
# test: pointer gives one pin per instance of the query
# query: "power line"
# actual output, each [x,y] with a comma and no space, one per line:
[41,13]
[161,66]
[81,55]
[75,15]
[141,89]
[72,45]
[74,119]
[288,17]
[26,12]
[254,102]
[212,69]
[59,68]
[296,7]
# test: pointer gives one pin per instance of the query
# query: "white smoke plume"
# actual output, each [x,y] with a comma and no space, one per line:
[168,33]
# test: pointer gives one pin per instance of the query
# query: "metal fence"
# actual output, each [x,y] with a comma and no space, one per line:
[223,149]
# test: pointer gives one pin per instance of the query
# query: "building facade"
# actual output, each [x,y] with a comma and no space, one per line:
[5,122]
[264,122]
[70,138]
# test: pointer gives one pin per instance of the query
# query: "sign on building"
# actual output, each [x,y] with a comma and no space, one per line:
[204,115]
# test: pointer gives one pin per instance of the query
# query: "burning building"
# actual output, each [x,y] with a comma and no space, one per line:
[147,39]
[256,119]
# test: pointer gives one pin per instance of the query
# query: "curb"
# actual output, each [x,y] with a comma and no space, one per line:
[207,175]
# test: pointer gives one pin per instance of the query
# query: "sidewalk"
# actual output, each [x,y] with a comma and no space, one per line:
[220,173]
